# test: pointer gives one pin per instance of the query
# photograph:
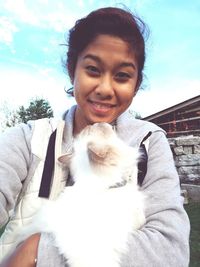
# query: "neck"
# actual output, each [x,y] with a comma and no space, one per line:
[79,122]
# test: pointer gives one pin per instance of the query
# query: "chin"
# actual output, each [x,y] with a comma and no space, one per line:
[98,119]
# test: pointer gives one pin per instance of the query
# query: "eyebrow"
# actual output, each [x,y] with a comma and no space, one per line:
[97,59]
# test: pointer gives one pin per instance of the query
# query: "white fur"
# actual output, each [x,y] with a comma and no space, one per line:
[92,219]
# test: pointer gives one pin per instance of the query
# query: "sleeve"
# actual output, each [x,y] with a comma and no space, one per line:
[164,239]
[14,164]
[48,255]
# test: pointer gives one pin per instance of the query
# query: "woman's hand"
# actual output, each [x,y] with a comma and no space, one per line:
[25,254]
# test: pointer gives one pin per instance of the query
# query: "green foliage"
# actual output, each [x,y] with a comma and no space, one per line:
[193,211]
[8,116]
[12,119]
[37,109]
[135,114]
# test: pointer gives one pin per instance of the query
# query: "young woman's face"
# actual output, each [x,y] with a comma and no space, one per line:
[105,81]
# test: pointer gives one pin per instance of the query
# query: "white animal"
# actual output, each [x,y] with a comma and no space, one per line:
[92,219]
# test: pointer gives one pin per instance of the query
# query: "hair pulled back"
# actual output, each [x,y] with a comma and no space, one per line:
[112,21]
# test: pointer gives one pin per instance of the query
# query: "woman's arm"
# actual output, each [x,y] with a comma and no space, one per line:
[25,254]
[14,164]
[164,240]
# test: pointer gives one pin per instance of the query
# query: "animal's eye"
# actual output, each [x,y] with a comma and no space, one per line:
[92,70]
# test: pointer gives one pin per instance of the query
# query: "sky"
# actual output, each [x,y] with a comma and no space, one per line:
[31,51]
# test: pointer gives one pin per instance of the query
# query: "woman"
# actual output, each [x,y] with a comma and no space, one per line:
[105,61]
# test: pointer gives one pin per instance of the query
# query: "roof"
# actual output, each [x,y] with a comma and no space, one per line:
[180,119]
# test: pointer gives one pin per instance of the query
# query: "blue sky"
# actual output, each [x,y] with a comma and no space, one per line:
[30,53]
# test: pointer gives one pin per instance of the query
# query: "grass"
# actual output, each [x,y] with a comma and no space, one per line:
[193,211]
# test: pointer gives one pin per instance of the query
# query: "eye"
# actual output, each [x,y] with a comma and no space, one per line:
[92,70]
[122,76]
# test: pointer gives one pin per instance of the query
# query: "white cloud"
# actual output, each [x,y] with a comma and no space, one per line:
[7,30]
[139,4]
[80,3]
[20,86]
[55,15]
[165,95]
[20,10]
[58,20]
[44,2]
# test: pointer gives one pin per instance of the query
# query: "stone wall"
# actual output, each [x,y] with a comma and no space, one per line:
[186,151]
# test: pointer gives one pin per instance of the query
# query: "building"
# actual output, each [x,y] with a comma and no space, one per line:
[179,120]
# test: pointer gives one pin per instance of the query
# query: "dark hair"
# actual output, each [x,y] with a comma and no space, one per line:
[112,21]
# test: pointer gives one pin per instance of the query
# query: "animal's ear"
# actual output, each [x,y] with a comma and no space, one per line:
[97,153]
[65,158]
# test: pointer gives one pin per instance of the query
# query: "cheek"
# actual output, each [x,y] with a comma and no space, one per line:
[78,86]
[78,80]
[81,90]
[83,86]
[126,96]
[78,95]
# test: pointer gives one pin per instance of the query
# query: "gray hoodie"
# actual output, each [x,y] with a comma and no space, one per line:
[164,239]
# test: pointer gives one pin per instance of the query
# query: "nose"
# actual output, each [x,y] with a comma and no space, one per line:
[105,87]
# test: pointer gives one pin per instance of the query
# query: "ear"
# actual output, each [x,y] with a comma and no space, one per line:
[65,159]
[97,153]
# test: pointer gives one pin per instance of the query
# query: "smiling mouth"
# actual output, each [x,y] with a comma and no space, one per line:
[101,106]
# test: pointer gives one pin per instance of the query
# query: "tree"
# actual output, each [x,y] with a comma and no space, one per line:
[38,108]
[8,116]
[135,114]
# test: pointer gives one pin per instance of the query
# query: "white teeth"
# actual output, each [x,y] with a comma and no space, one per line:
[99,105]
[102,106]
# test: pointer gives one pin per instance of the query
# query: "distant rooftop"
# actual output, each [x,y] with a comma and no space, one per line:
[180,119]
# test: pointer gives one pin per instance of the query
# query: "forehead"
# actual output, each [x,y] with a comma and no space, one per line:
[109,48]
